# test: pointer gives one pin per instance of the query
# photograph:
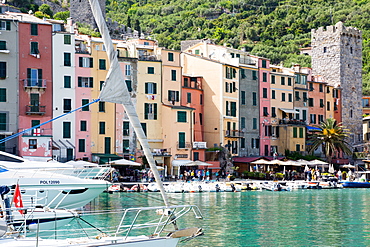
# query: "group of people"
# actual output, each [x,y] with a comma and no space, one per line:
[312,174]
[200,175]
[290,175]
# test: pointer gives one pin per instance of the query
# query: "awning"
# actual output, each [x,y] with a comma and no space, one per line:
[67,145]
[124,162]
[310,128]
[182,163]
[106,158]
[288,110]
[55,145]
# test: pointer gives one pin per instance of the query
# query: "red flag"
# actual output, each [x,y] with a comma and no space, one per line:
[17,199]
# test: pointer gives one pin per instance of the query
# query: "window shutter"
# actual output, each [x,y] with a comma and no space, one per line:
[146,110]
[177,96]
[39,75]
[277,131]
[169,95]
[91,62]
[155,111]
[80,62]
[8,25]
[91,82]
[28,73]
[146,88]
[80,81]
[227,108]
[233,109]
[154,88]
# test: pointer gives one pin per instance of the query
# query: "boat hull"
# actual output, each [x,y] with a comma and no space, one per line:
[356,185]
[84,242]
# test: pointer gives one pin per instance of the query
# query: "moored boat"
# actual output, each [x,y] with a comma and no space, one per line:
[355,184]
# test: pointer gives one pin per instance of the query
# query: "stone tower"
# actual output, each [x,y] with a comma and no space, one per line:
[337,56]
[81,11]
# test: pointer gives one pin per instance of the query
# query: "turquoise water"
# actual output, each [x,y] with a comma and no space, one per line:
[263,218]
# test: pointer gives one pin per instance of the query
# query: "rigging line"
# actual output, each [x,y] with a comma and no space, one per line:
[37,126]
[91,225]
[158,199]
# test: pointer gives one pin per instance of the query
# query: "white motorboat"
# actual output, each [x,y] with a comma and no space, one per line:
[29,219]
[81,169]
[274,186]
[40,188]
[159,219]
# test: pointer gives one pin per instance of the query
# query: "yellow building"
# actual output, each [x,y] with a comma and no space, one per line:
[221,82]
[103,128]
[178,118]
[284,117]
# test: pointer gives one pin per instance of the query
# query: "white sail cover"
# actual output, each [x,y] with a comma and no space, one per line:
[115,91]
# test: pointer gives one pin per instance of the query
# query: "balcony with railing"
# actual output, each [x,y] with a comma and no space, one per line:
[38,132]
[34,83]
[149,58]
[161,152]
[247,60]
[35,109]
[183,145]
[292,121]
[234,133]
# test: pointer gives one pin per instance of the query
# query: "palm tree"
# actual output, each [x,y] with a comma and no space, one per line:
[332,136]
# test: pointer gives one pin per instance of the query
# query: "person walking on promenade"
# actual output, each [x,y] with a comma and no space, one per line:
[309,175]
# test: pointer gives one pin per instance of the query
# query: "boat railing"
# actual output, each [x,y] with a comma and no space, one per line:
[164,217]
[101,172]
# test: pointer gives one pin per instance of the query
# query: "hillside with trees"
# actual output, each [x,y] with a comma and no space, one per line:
[268,28]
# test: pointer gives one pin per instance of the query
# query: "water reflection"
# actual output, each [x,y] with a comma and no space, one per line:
[261,218]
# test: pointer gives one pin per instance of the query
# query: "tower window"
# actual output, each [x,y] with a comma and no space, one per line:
[325,50]
[351,50]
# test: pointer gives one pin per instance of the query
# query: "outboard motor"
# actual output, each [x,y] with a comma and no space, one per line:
[200,188]
[5,207]
[233,187]
[218,188]
[278,186]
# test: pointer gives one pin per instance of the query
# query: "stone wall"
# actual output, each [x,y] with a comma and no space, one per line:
[337,57]
[81,11]
[54,7]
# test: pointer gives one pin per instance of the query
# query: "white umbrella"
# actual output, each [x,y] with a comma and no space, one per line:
[260,162]
[317,162]
[124,162]
[306,168]
[331,168]
[198,163]
[349,174]
[349,166]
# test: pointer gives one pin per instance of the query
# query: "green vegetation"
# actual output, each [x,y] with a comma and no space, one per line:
[272,29]
[62,16]
[332,136]
[86,29]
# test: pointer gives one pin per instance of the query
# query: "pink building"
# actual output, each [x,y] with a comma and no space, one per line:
[35,85]
[265,106]
[193,86]
[84,85]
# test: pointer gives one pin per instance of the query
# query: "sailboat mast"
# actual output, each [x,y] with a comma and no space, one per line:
[115,91]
